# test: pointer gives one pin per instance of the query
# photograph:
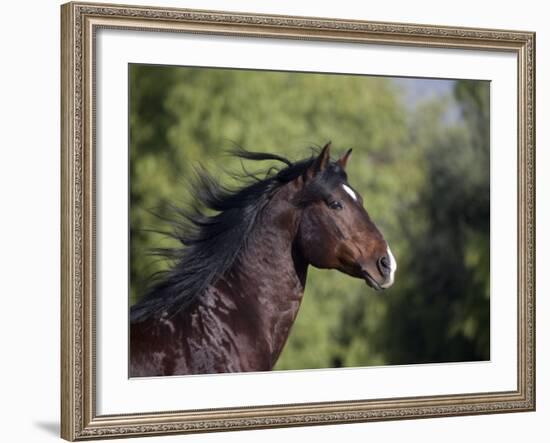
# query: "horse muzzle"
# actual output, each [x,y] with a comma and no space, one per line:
[371,281]
[385,268]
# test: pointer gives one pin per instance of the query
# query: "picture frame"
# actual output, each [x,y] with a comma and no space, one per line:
[80,23]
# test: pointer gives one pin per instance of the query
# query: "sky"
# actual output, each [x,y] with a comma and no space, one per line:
[418,90]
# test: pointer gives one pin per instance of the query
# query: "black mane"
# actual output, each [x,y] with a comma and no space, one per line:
[211,243]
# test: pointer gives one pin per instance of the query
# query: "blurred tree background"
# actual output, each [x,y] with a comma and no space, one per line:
[421,164]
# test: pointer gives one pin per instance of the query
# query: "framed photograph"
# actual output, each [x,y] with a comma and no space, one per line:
[284,221]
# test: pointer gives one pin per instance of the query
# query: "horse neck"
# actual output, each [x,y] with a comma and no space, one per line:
[267,281]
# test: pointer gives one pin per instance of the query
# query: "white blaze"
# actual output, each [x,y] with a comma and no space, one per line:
[350,192]
[393,267]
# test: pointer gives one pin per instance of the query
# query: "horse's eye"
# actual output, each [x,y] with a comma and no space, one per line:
[336,205]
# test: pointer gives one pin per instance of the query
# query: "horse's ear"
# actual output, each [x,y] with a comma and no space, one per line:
[321,162]
[343,161]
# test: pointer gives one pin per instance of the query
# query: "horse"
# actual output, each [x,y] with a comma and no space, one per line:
[233,292]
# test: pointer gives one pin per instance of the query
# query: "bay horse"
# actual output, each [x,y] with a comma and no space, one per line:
[228,302]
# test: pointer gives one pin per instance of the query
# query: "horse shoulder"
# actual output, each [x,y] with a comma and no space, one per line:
[154,346]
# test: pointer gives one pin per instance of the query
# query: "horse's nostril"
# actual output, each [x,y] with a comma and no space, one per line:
[384,265]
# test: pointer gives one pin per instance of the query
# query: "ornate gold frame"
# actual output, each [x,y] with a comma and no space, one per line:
[79,21]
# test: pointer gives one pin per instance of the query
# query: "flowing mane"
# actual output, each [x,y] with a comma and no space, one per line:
[211,243]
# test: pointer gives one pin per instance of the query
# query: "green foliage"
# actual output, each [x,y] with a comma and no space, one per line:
[424,178]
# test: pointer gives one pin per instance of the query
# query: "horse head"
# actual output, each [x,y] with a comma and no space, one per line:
[335,230]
